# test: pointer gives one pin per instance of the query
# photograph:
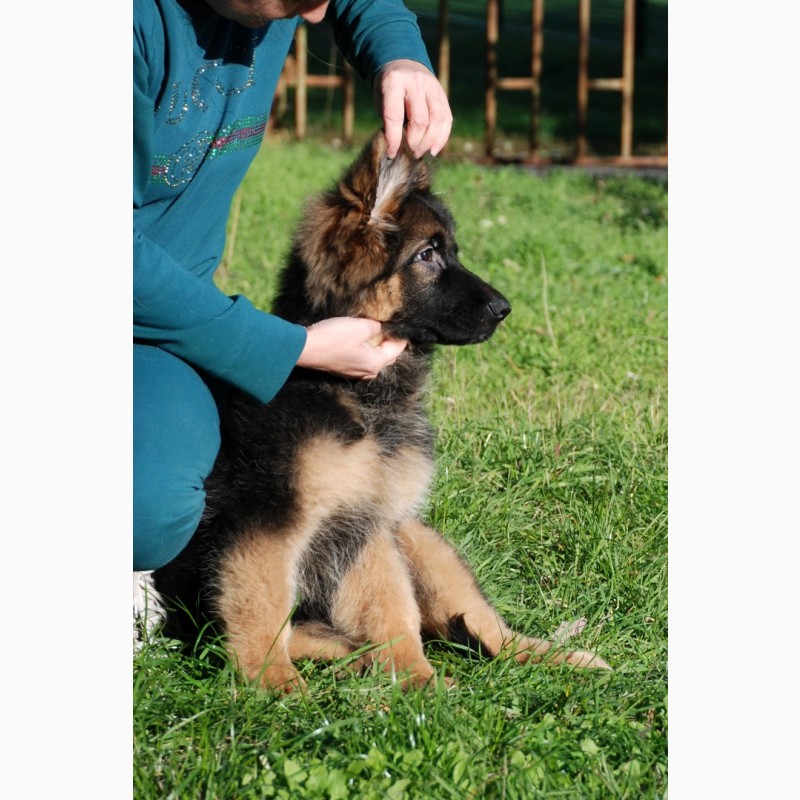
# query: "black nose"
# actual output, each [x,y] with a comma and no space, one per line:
[500,307]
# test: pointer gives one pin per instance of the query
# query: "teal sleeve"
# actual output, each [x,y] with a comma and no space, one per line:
[371,33]
[186,314]
[226,337]
[143,112]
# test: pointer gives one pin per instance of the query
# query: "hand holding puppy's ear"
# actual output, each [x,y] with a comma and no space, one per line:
[408,93]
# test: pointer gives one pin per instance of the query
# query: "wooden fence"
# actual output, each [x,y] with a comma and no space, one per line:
[297,77]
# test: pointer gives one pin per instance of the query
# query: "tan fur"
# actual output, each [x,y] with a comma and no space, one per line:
[256,602]
[406,484]
[446,588]
[381,301]
[330,474]
[318,642]
[376,603]
[257,579]
[345,244]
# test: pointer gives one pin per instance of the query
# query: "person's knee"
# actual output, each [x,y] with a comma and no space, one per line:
[165,518]
[175,443]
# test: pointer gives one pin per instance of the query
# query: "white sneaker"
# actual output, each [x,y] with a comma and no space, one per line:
[148,611]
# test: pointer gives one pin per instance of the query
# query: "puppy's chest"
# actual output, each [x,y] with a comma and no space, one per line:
[387,469]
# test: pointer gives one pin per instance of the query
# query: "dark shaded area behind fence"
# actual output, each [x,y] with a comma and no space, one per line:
[557,119]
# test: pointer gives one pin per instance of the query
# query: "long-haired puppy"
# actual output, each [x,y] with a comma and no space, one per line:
[312,544]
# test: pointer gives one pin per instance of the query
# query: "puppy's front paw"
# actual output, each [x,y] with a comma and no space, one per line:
[425,681]
[279,676]
[282,678]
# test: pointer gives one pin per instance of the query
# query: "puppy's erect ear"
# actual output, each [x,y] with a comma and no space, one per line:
[344,239]
[380,184]
[397,178]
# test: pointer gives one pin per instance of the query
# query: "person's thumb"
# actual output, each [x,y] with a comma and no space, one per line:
[392,348]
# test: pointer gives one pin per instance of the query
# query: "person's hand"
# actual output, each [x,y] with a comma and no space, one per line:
[408,90]
[349,346]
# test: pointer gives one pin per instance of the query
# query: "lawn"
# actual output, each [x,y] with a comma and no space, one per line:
[552,482]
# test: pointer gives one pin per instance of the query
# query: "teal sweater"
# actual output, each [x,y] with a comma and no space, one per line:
[202,91]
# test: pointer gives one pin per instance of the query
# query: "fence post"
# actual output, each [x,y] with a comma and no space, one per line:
[490,104]
[623,84]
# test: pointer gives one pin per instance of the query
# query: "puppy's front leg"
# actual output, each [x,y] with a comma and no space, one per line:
[257,587]
[375,603]
[448,595]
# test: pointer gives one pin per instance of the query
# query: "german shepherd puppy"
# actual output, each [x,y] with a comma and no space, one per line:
[311,545]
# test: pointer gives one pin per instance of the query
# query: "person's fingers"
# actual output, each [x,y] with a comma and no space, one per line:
[384,355]
[393,111]
[392,348]
[443,120]
[429,119]
[410,98]
[417,122]
[371,327]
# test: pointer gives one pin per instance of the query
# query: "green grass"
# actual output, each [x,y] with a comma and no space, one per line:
[552,481]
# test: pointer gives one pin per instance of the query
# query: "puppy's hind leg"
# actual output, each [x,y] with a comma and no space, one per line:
[451,602]
[318,642]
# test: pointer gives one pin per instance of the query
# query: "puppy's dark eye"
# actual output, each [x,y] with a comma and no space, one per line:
[426,254]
